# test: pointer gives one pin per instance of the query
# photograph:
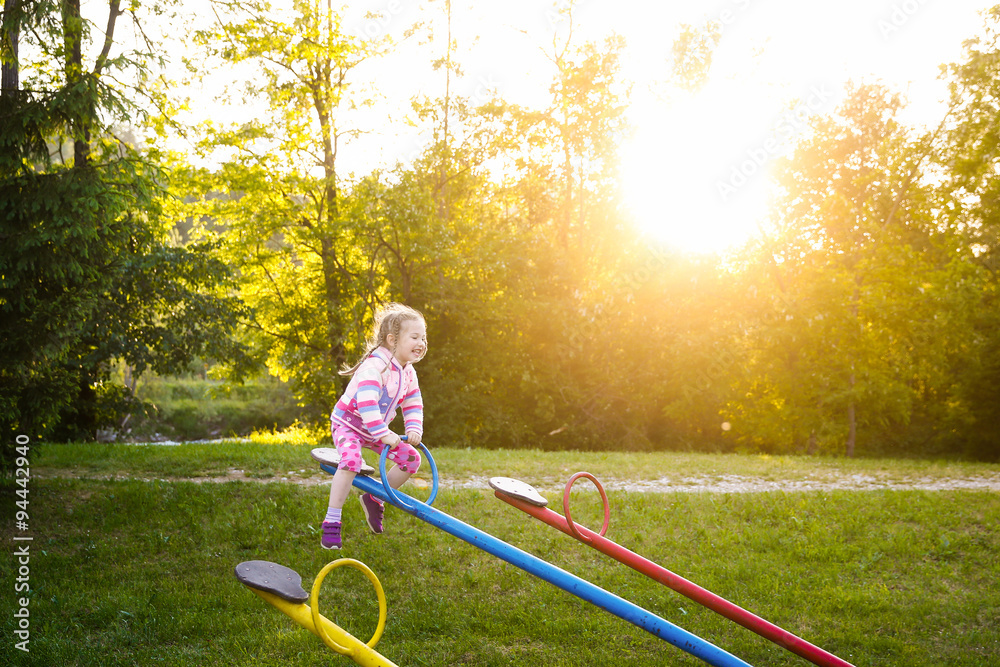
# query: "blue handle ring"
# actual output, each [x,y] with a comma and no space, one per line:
[392,493]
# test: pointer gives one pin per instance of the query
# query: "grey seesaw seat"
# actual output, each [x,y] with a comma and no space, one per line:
[272,578]
[518,489]
[331,457]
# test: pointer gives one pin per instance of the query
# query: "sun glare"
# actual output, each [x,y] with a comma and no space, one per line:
[687,177]
[696,173]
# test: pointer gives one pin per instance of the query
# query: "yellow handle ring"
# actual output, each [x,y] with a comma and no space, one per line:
[314,603]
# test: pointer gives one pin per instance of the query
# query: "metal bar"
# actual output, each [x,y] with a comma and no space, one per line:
[301,613]
[717,604]
[558,577]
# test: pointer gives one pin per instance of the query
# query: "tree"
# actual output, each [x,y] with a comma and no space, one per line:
[564,173]
[966,155]
[850,338]
[692,53]
[85,273]
[287,215]
[10,40]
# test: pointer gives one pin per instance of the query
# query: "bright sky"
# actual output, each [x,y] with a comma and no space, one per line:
[714,149]
[695,173]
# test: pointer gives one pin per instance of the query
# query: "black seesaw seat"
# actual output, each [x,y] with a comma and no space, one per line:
[272,578]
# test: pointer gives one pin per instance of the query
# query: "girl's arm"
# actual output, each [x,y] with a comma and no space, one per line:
[413,411]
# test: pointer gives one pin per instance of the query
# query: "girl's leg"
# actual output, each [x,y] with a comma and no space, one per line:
[331,526]
[397,477]
[407,460]
[349,447]
[341,487]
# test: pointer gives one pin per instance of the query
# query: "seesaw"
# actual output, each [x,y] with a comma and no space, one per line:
[281,587]
[525,498]
[570,583]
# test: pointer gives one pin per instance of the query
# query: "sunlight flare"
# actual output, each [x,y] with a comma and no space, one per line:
[687,176]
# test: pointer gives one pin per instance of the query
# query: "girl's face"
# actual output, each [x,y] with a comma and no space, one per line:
[412,343]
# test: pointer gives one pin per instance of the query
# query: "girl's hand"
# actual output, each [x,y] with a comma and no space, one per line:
[413,438]
[391,440]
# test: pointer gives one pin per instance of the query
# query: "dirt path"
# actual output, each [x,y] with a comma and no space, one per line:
[703,484]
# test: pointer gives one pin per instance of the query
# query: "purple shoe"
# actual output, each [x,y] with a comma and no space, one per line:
[331,535]
[373,512]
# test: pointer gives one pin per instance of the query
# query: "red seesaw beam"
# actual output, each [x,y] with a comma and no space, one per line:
[781,637]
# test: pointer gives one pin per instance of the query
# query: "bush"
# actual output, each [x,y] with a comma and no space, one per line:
[195,409]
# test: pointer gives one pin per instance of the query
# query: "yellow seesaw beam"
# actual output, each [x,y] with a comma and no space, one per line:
[332,634]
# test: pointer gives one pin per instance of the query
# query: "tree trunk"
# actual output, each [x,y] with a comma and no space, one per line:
[323,99]
[10,82]
[852,424]
[567,213]
[852,421]
[73,41]
[334,296]
[447,76]
[328,222]
[445,160]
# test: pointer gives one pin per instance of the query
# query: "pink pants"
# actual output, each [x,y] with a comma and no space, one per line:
[349,443]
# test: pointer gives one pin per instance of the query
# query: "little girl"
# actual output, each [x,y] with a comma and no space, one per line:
[382,381]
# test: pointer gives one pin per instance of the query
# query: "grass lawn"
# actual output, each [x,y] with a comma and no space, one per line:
[134,572]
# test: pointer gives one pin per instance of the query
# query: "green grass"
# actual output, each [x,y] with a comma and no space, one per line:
[138,572]
[274,456]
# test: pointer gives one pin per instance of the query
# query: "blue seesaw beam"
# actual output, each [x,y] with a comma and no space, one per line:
[558,577]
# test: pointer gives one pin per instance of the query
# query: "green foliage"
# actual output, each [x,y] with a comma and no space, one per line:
[967,154]
[553,324]
[86,275]
[864,321]
[543,295]
[450,258]
[195,409]
[285,213]
[849,335]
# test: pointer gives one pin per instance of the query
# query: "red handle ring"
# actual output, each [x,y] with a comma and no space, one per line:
[604,499]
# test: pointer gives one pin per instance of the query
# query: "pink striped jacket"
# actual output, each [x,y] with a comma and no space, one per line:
[379,387]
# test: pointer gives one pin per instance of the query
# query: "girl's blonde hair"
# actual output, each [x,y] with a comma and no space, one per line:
[388,320]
